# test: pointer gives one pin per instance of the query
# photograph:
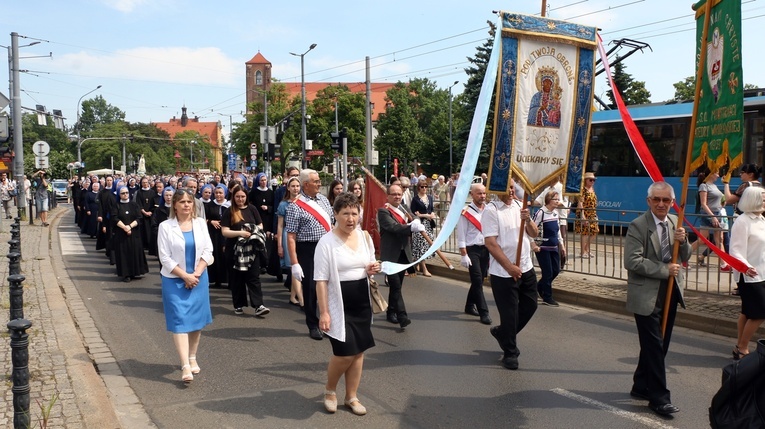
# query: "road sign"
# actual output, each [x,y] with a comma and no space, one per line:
[315,153]
[41,148]
[271,134]
[41,162]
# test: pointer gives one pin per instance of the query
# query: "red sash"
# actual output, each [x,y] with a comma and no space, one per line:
[472,219]
[305,206]
[395,214]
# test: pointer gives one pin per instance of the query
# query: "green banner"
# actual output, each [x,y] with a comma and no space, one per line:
[719,133]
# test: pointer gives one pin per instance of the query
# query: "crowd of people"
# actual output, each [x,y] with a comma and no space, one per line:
[227,232]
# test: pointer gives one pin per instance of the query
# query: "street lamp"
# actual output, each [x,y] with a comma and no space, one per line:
[302,103]
[79,141]
[191,155]
[450,127]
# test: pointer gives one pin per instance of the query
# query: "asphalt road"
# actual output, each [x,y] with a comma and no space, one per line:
[442,372]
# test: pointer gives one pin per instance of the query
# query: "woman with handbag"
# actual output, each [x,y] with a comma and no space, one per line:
[422,207]
[343,262]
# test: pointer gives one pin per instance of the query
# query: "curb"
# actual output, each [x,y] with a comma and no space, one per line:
[685,318]
[90,363]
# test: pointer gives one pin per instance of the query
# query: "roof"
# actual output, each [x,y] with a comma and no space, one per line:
[258,59]
[209,129]
[312,88]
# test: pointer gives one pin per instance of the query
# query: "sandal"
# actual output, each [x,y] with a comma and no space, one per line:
[700,261]
[187,377]
[357,409]
[194,366]
[330,404]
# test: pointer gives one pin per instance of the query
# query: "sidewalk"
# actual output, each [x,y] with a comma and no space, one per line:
[67,356]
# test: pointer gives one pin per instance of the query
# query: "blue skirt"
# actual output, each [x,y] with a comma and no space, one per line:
[186,310]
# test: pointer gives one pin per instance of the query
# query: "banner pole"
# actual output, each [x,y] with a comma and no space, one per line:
[522,233]
[689,156]
[544,7]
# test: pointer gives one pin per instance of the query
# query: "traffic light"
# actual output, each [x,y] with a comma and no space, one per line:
[336,141]
[271,155]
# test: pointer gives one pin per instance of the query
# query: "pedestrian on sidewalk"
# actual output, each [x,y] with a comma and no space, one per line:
[747,243]
[7,192]
[185,251]
[648,260]
[344,260]
[587,216]
[551,246]
[41,196]
[473,252]
[514,286]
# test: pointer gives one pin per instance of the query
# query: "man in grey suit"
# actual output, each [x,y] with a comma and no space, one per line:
[647,258]
[396,246]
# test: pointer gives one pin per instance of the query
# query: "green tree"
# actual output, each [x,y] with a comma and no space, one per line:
[685,89]
[97,111]
[62,149]
[350,115]
[465,104]
[632,91]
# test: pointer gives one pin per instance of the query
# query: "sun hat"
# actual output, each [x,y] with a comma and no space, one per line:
[589,175]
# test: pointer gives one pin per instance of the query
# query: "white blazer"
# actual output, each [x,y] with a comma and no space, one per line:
[172,246]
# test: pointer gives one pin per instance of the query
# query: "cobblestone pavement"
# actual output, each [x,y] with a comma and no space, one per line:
[68,359]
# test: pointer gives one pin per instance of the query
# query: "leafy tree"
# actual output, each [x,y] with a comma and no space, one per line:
[98,111]
[631,90]
[193,148]
[62,149]
[685,89]
[350,115]
[465,104]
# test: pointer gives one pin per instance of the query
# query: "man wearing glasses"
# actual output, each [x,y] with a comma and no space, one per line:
[648,260]
[306,221]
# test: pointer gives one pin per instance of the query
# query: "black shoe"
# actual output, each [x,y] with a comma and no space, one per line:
[471,310]
[485,319]
[639,395]
[393,318]
[126,279]
[315,334]
[495,333]
[510,362]
[664,409]
[404,321]
[551,302]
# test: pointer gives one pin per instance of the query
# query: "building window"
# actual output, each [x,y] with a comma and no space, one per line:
[258,78]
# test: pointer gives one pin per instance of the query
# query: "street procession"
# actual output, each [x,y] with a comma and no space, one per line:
[525,237]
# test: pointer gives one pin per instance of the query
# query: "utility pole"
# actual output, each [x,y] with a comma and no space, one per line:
[18,143]
[369,117]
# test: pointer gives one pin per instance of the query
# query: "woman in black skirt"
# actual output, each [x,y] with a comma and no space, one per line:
[128,250]
[160,214]
[91,205]
[214,211]
[343,261]
[747,243]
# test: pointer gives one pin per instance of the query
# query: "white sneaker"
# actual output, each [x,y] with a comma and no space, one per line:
[586,256]
[262,311]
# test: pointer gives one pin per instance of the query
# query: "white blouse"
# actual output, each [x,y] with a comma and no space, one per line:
[747,243]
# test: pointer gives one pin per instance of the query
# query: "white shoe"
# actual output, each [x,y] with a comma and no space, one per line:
[585,256]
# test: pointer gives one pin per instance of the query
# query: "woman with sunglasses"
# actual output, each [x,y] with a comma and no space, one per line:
[128,249]
[587,216]
[185,251]
[240,221]
[422,207]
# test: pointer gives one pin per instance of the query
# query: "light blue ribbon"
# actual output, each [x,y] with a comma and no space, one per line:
[469,162]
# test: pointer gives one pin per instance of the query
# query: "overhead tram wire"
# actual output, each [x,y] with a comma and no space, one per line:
[606,9]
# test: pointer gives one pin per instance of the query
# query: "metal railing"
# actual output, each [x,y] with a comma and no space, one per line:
[608,253]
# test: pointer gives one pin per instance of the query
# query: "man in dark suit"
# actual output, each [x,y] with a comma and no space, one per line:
[647,258]
[396,246]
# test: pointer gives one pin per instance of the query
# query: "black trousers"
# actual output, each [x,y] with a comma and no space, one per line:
[395,282]
[305,251]
[650,376]
[516,302]
[244,283]
[479,268]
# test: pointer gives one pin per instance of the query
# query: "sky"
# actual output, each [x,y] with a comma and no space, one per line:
[152,57]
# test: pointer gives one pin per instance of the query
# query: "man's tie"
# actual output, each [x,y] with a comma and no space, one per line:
[666,255]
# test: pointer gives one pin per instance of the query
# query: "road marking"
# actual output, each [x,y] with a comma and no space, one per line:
[71,244]
[621,413]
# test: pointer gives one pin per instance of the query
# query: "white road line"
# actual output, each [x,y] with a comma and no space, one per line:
[621,413]
[71,244]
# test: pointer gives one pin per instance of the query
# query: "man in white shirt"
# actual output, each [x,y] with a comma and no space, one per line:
[473,252]
[514,286]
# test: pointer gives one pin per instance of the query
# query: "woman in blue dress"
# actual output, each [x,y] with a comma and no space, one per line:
[185,251]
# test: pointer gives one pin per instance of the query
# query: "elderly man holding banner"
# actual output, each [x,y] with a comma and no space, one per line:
[648,260]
